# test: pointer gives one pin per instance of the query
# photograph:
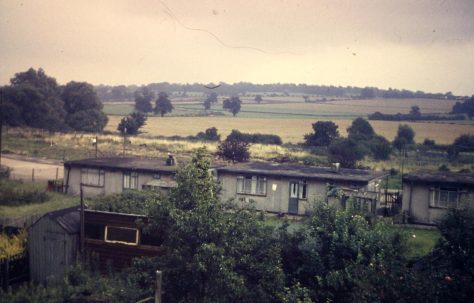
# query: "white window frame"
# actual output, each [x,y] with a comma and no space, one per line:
[118,241]
[252,185]
[92,177]
[302,190]
[130,180]
[444,197]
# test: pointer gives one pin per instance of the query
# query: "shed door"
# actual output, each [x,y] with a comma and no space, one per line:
[293,201]
[55,245]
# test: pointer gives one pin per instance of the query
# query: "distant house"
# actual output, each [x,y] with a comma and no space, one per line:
[53,243]
[104,176]
[287,188]
[427,195]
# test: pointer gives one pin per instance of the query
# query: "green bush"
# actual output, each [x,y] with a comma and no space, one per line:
[17,193]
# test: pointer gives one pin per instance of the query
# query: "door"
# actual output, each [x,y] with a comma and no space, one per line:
[293,201]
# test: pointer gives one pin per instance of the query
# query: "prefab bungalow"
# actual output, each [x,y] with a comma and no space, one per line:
[288,188]
[427,194]
[104,176]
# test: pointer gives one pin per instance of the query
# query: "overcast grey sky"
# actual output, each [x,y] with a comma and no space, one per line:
[423,44]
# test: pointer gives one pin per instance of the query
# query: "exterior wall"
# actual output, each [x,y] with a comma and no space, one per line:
[113,182]
[421,211]
[51,250]
[275,200]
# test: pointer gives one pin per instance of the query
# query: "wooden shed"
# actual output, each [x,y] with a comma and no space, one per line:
[53,242]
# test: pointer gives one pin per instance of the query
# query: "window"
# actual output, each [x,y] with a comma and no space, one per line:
[444,197]
[92,177]
[124,235]
[252,185]
[302,190]
[130,180]
[298,190]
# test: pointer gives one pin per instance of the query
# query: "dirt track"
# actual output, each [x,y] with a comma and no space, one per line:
[22,168]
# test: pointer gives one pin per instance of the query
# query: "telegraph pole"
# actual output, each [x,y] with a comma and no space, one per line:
[1,124]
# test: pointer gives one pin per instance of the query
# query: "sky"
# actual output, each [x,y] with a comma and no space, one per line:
[418,45]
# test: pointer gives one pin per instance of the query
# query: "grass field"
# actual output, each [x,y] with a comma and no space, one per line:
[290,130]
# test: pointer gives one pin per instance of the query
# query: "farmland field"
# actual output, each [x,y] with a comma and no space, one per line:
[291,118]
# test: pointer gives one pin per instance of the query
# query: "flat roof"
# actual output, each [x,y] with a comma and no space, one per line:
[125,163]
[441,177]
[303,171]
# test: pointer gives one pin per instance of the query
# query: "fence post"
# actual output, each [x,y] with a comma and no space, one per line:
[33,175]
[158,287]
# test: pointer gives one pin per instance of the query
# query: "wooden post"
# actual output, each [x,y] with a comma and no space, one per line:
[158,286]
[96,146]
[81,235]
[57,172]
[33,175]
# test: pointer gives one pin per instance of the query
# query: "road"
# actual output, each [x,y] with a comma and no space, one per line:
[32,169]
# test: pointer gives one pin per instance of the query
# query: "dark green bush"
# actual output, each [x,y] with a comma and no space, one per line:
[16,193]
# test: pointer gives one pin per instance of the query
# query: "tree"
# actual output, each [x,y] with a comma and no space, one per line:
[213,251]
[346,152]
[233,150]
[463,143]
[324,133]
[415,111]
[405,136]
[367,93]
[258,99]
[83,107]
[209,134]
[131,124]
[379,147]
[360,130]
[163,104]
[143,99]
[467,107]
[232,105]
[37,97]
[211,98]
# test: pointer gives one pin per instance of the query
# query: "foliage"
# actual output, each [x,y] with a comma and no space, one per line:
[233,150]
[405,136]
[211,98]
[258,99]
[379,147]
[130,202]
[346,152]
[143,98]
[324,133]
[13,193]
[232,104]
[360,130]
[367,93]
[415,111]
[254,138]
[209,134]
[463,143]
[12,245]
[467,107]
[163,104]
[413,116]
[91,120]
[132,124]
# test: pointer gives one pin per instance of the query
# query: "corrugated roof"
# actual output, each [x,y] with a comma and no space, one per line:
[125,163]
[69,218]
[440,177]
[303,171]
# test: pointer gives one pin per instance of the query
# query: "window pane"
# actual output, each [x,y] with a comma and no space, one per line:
[248,185]
[121,234]
[261,185]
[294,190]
[302,190]
[254,185]
[240,184]
[126,181]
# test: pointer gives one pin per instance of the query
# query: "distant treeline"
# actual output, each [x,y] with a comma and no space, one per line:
[410,117]
[123,92]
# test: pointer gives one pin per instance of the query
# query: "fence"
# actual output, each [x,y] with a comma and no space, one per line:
[14,270]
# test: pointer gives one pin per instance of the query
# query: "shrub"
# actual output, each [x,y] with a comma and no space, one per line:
[17,193]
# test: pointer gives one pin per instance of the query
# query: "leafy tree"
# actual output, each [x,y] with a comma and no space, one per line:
[360,130]
[405,136]
[83,107]
[324,133]
[415,111]
[163,104]
[131,124]
[10,113]
[37,97]
[346,152]
[233,150]
[213,251]
[210,134]
[258,99]
[367,93]
[463,143]
[467,107]
[143,99]
[211,98]
[232,105]
[379,147]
